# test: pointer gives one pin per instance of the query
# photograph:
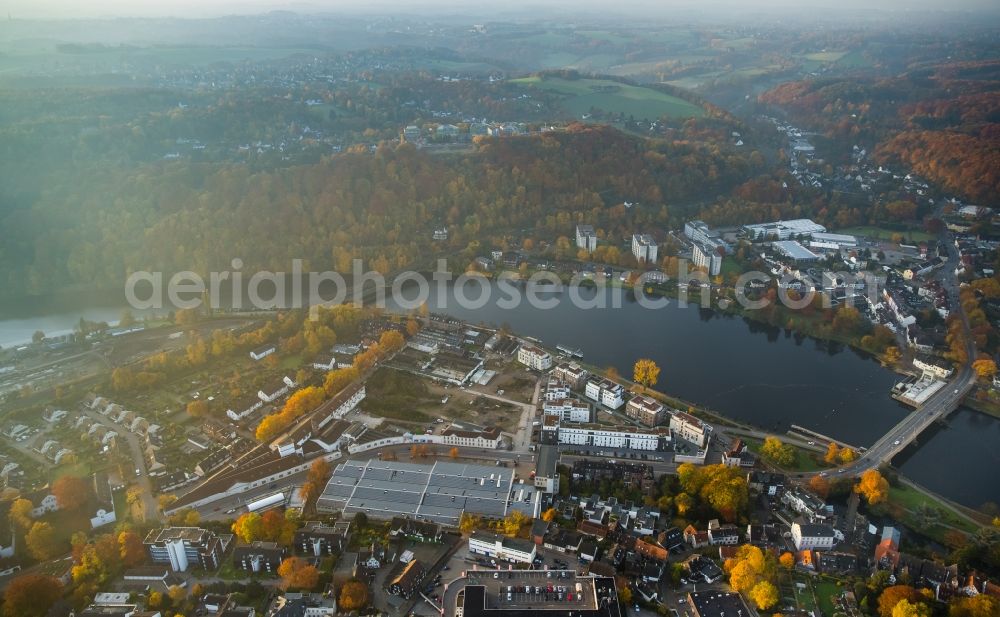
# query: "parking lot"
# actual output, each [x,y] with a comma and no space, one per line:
[542,589]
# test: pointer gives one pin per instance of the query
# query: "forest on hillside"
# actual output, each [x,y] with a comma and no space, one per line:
[943,122]
[96,225]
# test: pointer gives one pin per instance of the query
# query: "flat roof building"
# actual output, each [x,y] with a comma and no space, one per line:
[592,596]
[783,230]
[439,492]
[794,251]
[718,604]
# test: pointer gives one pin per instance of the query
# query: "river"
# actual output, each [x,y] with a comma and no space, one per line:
[761,375]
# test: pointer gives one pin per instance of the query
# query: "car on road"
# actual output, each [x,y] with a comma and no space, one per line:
[811,443]
[896,443]
[138,472]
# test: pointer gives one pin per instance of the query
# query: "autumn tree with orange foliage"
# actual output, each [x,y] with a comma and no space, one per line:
[71,492]
[297,573]
[353,596]
[873,487]
[297,405]
[338,379]
[30,595]
[787,560]
[820,486]
[891,596]
[319,473]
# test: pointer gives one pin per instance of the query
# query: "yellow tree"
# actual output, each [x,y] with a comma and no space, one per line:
[549,515]
[892,354]
[42,541]
[985,368]
[905,608]
[777,452]
[873,487]
[764,594]
[249,527]
[832,453]
[645,372]
[847,455]
[20,513]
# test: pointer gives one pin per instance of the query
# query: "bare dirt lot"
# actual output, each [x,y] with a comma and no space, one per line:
[405,398]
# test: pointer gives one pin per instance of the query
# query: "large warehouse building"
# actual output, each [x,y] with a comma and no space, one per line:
[438,492]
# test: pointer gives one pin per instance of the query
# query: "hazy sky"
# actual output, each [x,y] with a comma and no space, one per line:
[202,8]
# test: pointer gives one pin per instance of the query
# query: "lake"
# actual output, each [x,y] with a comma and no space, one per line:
[762,375]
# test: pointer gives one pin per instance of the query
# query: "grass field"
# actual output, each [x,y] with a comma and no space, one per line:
[825,56]
[583,94]
[825,592]
[883,233]
[604,35]
[909,498]
[804,460]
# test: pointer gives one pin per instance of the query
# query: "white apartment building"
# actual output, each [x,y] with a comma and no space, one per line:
[586,238]
[811,535]
[555,390]
[605,392]
[501,548]
[534,358]
[607,437]
[568,410]
[644,248]
[689,428]
[645,409]
[706,256]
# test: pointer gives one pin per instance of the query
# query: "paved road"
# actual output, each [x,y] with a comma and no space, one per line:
[149,505]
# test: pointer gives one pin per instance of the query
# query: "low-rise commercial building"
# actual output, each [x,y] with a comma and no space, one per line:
[440,492]
[502,548]
[488,438]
